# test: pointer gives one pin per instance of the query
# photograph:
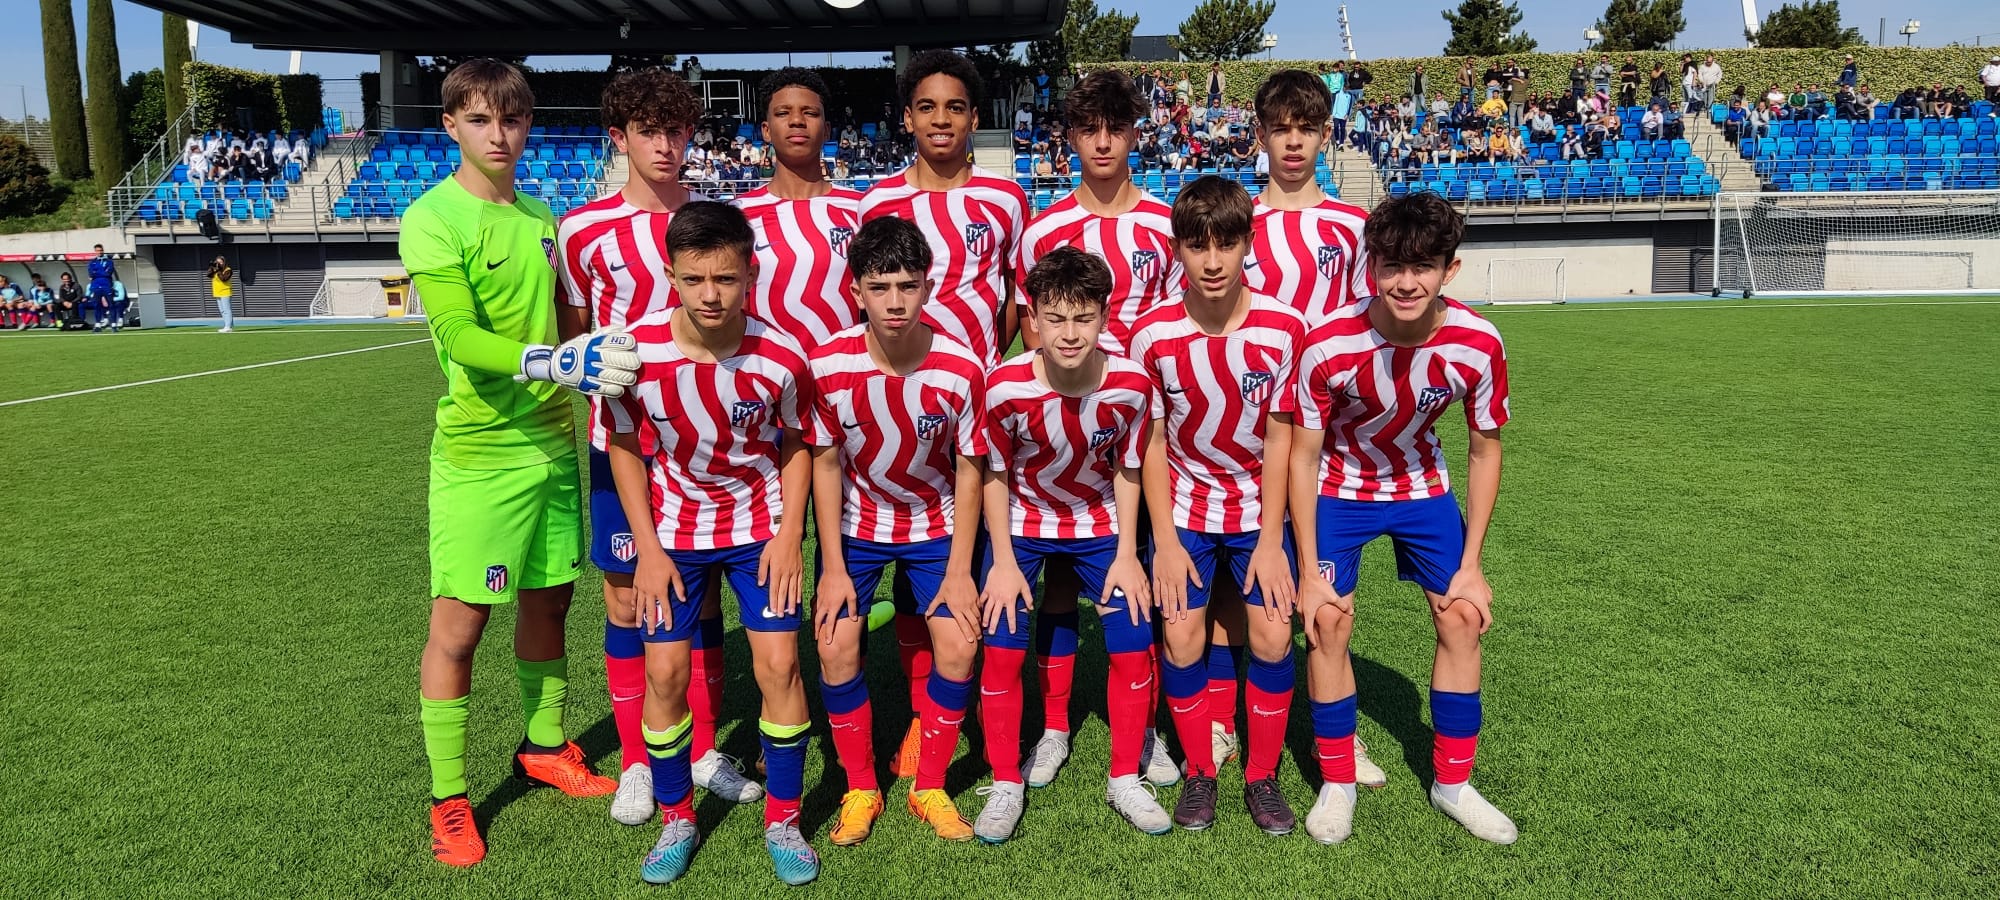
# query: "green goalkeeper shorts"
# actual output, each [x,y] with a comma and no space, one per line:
[495,532]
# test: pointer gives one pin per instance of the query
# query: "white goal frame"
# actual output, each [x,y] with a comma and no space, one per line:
[359,297]
[1858,243]
[1525,280]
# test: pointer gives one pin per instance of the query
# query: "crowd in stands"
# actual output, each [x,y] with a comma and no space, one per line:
[227,156]
[728,156]
[1851,100]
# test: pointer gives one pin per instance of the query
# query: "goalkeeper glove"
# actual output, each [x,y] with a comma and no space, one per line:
[601,364]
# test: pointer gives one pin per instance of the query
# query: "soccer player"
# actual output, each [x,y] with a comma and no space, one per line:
[614,273]
[1113,218]
[1221,359]
[1372,386]
[103,272]
[1065,431]
[973,219]
[707,446]
[505,512]
[898,452]
[803,222]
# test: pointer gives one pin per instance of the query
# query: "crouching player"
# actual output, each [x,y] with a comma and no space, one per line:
[707,446]
[1221,359]
[897,453]
[1371,389]
[1065,431]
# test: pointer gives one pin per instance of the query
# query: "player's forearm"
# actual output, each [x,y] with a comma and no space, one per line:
[1125,494]
[635,493]
[1482,492]
[571,321]
[827,504]
[794,481]
[965,511]
[1304,490]
[455,327]
[999,524]
[1157,485]
[1274,491]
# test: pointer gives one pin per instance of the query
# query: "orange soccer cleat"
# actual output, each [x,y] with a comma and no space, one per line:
[455,839]
[935,808]
[858,812]
[904,765]
[563,770]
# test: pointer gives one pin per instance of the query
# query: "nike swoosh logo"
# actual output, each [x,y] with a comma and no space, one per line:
[658,418]
[1186,709]
[1249,264]
[1334,756]
[617,698]
[575,563]
[911,643]
[1141,685]
[768,614]
[1459,762]
[1266,712]
[847,725]
[762,247]
[713,679]
[850,424]
[1172,391]
[952,722]
[983,692]
[494,265]
[619,267]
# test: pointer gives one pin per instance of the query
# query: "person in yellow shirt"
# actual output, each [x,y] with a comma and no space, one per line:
[1494,109]
[219,275]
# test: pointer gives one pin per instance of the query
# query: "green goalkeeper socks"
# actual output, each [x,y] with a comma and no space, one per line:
[543,687]
[444,743]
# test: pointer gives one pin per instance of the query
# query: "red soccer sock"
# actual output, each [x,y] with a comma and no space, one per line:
[913,650]
[681,810]
[854,745]
[1222,703]
[704,698]
[1058,676]
[1128,701]
[1000,703]
[1336,759]
[1270,711]
[626,679]
[1452,758]
[1187,704]
[943,716]
[777,810]
[1153,690]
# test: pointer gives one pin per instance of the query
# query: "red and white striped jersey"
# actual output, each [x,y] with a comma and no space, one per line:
[1311,259]
[900,436]
[802,274]
[711,432]
[975,235]
[1378,403]
[614,263]
[1215,391]
[1138,246]
[1064,451]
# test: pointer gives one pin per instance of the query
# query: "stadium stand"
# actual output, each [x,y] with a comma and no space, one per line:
[1623,169]
[181,197]
[1884,154]
[564,166]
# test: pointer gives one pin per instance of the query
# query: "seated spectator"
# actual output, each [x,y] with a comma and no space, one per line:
[1908,105]
[281,151]
[219,169]
[1023,138]
[1572,144]
[1494,109]
[1463,113]
[1937,101]
[1406,111]
[262,166]
[1844,107]
[1649,125]
[1541,126]
[1775,96]
[1243,150]
[1733,123]
[1815,102]
[1476,147]
[1594,137]
[69,303]
[43,299]
[1149,152]
[1757,121]
[1797,101]
[1501,146]
[1671,125]
[1961,102]
[1440,109]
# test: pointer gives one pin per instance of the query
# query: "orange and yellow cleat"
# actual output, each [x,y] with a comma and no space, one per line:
[565,771]
[858,812]
[904,765]
[935,808]
[455,839]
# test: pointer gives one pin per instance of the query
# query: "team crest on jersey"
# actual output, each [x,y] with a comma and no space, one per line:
[1145,264]
[1102,438]
[929,426]
[496,579]
[1256,387]
[622,547]
[1329,260]
[979,238]
[837,238]
[1326,570]
[746,413]
[1432,399]
[549,250]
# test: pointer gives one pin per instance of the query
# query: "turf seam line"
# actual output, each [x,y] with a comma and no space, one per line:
[261,365]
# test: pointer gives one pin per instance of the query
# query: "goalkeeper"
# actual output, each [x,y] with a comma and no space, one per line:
[505,506]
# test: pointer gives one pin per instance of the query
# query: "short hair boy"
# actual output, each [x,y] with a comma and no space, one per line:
[1307,248]
[1065,427]
[707,446]
[897,457]
[1372,386]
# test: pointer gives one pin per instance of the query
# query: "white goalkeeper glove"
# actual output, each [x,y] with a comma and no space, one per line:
[601,364]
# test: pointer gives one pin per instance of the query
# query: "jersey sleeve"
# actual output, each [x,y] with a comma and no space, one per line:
[795,396]
[1315,393]
[999,442]
[1284,394]
[1024,260]
[1486,398]
[821,422]
[625,412]
[1132,445]
[575,272]
[971,436]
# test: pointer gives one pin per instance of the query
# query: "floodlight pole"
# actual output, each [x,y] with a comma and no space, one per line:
[1346,34]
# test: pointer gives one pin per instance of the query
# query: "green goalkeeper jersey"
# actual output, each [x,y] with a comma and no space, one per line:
[486,275]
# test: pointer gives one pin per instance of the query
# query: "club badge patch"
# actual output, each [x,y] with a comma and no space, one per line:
[496,578]
[1145,265]
[549,250]
[837,238]
[1432,399]
[1256,387]
[1329,260]
[746,413]
[1326,570]
[1102,438]
[929,426]
[979,238]
[622,547]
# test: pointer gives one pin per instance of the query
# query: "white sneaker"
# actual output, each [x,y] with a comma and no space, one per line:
[1478,816]
[1366,772]
[1331,818]
[1154,763]
[718,775]
[1223,744]
[225,329]
[633,804]
[1135,800]
[1048,757]
[1002,813]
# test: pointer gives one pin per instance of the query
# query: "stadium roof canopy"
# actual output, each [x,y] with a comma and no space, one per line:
[618,26]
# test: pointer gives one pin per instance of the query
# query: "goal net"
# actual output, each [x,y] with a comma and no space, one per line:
[363,297]
[1533,279]
[1888,242]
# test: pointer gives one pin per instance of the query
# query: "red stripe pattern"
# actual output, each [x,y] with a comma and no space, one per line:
[1138,246]
[975,236]
[1063,451]
[1312,259]
[802,275]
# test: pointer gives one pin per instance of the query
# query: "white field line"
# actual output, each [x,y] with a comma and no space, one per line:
[261,365]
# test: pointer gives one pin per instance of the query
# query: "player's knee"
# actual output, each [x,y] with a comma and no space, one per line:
[453,647]
[1458,623]
[953,659]
[777,674]
[667,680]
[1333,626]
[1185,642]
[839,663]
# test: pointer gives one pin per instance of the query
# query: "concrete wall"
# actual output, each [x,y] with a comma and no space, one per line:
[1592,267]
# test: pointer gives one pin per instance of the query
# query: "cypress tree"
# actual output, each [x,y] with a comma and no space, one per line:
[174,41]
[107,127]
[66,128]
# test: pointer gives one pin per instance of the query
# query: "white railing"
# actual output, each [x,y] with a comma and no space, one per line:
[123,200]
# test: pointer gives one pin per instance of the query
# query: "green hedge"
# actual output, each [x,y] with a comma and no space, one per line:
[282,102]
[1886,70]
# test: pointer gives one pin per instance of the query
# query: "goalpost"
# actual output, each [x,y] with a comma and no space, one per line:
[1882,242]
[1531,279]
[365,297]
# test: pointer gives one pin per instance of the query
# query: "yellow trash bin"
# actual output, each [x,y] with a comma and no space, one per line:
[394,290]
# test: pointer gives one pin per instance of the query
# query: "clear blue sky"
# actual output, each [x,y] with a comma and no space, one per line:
[1305,29]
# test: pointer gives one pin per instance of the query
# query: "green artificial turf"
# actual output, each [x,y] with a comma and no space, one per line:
[1744,567]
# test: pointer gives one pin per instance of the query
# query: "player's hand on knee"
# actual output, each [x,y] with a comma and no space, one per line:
[1127,577]
[601,364]
[780,568]
[1269,571]
[1173,570]
[959,596]
[656,584]
[1470,586]
[833,598]
[1315,594]
[1004,585]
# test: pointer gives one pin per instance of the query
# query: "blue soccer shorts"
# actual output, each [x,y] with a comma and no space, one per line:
[921,564]
[739,566]
[1211,551]
[611,547]
[1091,559]
[1429,535]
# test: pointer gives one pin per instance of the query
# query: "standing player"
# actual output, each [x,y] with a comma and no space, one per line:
[803,223]
[1113,218]
[1221,360]
[1065,430]
[103,273]
[708,447]
[505,516]
[614,273]
[897,455]
[1372,386]
[1305,249]
[973,219]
